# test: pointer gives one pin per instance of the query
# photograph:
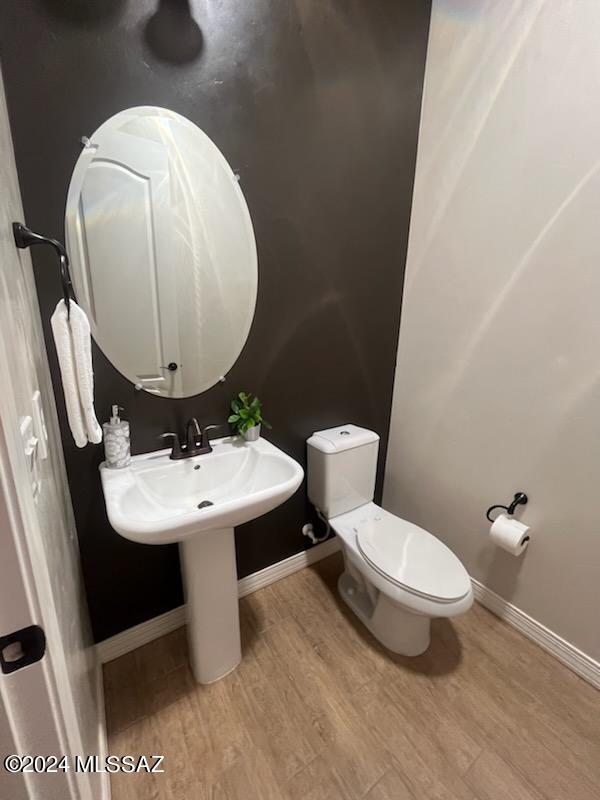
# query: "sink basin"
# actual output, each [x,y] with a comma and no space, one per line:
[158,501]
[197,502]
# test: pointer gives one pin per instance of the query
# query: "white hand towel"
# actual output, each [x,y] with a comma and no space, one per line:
[73,346]
[82,349]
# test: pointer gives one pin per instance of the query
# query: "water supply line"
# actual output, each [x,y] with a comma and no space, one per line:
[309,529]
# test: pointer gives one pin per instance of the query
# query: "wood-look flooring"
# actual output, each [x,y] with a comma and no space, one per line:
[318,710]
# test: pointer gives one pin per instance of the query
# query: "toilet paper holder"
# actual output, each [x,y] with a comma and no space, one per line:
[520,499]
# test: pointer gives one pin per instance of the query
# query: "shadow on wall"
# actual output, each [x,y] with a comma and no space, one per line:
[172,34]
[82,11]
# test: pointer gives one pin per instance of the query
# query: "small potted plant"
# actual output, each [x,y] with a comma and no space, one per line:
[247,416]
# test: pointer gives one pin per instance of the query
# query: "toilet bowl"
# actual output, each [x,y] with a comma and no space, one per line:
[397,576]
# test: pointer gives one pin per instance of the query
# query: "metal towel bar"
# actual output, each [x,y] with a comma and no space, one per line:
[24,237]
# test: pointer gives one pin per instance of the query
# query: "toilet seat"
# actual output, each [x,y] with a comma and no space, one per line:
[411,558]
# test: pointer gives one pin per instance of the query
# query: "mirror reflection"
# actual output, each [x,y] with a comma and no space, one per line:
[162,251]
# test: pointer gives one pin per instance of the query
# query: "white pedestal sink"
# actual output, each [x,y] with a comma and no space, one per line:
[197,502]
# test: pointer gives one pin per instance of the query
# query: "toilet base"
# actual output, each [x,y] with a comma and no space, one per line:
[401,631]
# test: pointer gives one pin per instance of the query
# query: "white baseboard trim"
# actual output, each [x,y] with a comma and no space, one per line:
[582,664]
[129,640]
[135,637]
[252,583]
[566,653]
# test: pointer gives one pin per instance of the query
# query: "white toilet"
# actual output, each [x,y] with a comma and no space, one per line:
[397,576]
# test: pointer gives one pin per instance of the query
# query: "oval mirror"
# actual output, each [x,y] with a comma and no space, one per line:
[163,256]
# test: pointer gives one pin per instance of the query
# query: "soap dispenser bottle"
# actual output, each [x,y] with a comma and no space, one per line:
[117,447]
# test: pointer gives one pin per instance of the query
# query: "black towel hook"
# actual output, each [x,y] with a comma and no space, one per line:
[520,499]
[25,237]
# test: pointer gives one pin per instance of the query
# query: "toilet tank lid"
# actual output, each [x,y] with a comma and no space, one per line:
[344,437]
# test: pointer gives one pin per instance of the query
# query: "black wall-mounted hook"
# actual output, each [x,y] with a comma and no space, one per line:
[25,237]
[520,499]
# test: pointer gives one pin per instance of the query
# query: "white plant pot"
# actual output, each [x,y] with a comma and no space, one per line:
[252,434]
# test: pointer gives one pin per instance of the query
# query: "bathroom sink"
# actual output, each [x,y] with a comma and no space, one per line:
[158,501]
[197,502]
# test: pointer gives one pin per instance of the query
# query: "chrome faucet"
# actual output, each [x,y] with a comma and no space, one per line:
[197,442]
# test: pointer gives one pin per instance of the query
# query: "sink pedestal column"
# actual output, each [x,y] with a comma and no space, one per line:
[212,607]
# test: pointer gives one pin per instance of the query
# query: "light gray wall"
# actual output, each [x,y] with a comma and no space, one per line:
[50,547]
[498,375]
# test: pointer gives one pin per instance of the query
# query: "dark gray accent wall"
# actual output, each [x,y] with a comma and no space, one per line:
[316,105]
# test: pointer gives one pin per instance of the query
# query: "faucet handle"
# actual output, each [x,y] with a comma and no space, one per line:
[205,430]
[176,451]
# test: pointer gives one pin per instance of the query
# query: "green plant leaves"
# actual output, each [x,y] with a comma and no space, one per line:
[247,412]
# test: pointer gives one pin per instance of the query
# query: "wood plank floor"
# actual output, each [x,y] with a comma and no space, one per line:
[318,710]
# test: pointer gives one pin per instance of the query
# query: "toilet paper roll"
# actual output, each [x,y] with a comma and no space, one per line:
[510,534]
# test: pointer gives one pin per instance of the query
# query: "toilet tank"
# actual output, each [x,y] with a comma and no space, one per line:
[341,468]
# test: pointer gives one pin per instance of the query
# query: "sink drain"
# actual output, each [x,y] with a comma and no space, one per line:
[205,504]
